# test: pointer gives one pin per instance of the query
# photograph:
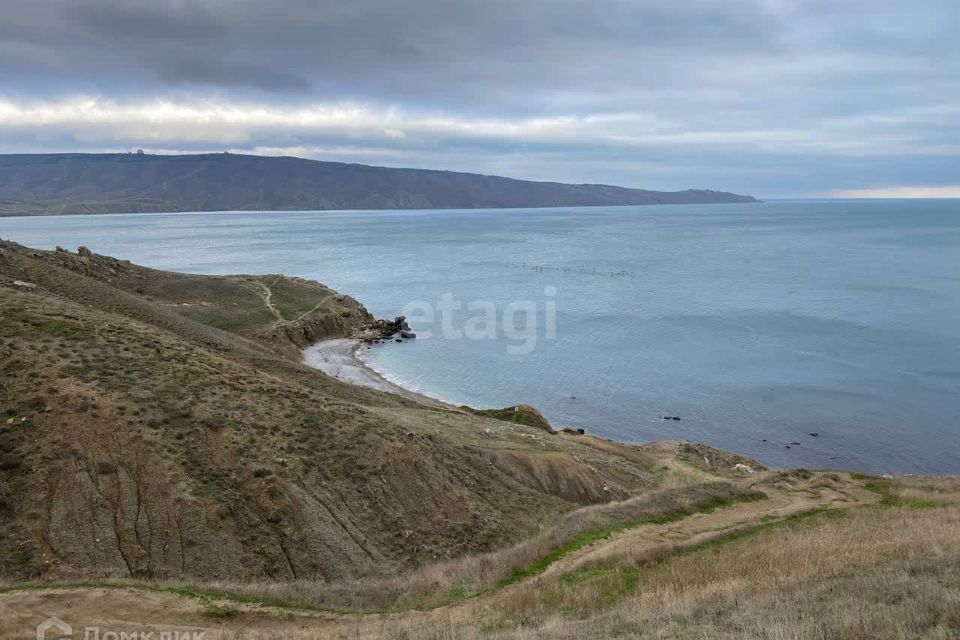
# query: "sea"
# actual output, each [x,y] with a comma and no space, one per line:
[817,333]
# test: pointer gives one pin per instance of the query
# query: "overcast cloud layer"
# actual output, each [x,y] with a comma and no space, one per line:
[767,97]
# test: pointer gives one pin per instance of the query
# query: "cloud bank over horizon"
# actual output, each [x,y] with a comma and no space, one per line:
[768,97]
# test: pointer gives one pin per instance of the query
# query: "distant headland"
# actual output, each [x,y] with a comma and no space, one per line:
[78,183]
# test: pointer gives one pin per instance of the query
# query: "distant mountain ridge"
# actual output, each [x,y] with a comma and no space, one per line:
[76,183]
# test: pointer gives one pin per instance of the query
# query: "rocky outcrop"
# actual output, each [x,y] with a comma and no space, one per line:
[312,329]
[706,457]
[377,330]
[518,414]
[88,263]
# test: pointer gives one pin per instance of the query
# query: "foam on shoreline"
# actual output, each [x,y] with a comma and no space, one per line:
[340,358]
[394,379]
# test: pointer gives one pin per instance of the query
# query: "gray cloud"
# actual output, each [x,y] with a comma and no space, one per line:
[453,52]
[806,94]
[182,69]
[176,22]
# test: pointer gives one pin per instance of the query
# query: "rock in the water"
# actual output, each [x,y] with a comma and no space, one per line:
[380,329]
[408,334]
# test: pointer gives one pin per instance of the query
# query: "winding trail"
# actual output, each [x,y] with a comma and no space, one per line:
[649,542]
[267,295]
[141,608]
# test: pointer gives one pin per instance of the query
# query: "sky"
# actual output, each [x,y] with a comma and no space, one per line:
[774,98]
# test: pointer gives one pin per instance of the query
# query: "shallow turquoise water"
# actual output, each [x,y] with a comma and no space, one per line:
[756,324]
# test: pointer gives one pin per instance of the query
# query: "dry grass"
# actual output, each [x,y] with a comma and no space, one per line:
[874,572]
[444,582]
[867,573]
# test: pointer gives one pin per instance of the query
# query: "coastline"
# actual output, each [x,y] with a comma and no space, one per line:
[339,358]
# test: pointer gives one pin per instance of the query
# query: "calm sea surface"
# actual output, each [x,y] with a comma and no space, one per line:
[756,324]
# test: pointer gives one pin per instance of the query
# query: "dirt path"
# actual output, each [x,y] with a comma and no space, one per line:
[136,609]
[309,311]
[783,500]
[267,295]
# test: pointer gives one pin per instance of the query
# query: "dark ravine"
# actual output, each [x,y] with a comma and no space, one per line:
[71,183]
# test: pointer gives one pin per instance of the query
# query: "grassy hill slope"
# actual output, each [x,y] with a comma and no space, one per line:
[166,461]
[158,424]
